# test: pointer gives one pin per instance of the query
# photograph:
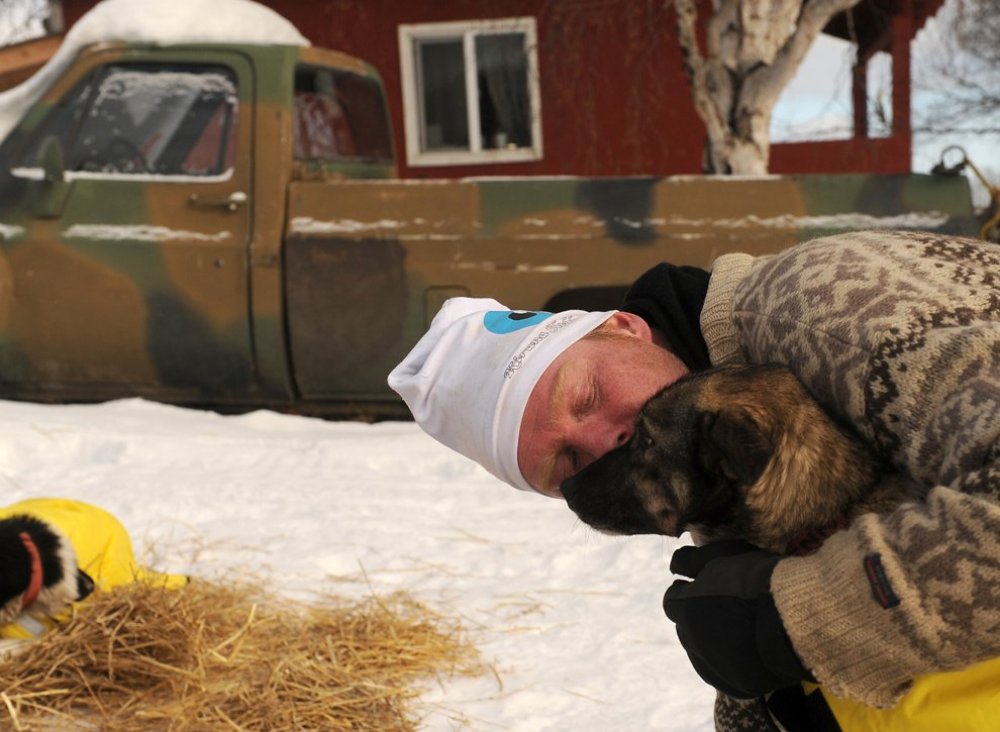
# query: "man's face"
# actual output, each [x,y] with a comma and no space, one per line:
[586,401]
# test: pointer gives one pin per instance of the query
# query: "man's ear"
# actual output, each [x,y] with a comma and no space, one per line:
[629,324]
[733,445]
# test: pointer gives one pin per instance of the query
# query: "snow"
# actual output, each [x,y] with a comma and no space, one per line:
[71,175]
[152,21]
[926,220]
[309,225]
[10,232]
[113,232]
[570,619]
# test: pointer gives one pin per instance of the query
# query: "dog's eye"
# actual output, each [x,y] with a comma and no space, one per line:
[647,442]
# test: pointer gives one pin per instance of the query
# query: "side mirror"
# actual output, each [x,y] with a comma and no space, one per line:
[50,156]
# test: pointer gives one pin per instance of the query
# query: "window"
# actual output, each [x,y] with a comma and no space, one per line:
[340,117]
[470,92]
[146,119]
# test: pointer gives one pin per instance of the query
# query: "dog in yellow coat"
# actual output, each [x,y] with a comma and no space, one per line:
[54,552]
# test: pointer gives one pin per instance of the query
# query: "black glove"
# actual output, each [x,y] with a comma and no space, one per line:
[726,619]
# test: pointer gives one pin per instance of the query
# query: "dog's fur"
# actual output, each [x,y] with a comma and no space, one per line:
[735,451]
[62,581]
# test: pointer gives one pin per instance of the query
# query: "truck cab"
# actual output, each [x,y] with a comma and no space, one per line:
[142,212]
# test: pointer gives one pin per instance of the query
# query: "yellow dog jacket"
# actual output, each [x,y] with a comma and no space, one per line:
[103,550]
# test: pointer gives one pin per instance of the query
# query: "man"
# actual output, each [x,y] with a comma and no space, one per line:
[897,334]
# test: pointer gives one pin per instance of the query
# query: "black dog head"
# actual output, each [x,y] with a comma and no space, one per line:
[38,568]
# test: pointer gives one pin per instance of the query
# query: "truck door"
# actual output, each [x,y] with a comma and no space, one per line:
[345,293]
[131,275]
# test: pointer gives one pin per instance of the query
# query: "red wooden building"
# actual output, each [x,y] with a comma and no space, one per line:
[574,87]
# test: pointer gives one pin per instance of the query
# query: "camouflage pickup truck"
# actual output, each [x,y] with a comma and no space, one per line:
[218,225]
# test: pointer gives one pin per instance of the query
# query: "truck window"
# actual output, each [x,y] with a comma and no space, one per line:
[147,119]
[339,117]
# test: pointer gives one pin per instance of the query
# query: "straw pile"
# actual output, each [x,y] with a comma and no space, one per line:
[215,656]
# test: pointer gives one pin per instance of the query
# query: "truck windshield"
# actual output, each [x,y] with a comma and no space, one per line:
[339,117]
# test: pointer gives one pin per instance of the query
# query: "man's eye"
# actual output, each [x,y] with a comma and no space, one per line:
[574,461]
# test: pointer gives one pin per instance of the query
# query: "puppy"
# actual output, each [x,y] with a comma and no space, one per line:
[737,451]
[38,569]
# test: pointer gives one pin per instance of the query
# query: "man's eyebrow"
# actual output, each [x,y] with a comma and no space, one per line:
[556,396]
[558,386]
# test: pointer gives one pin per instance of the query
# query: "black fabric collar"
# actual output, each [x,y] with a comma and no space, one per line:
[670,298]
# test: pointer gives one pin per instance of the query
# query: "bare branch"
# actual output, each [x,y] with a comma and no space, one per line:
[957,75]
[814,16]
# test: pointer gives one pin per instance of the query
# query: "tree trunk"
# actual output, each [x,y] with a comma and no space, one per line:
[753,50]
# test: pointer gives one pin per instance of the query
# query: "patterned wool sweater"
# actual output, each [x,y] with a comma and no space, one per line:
[899,334]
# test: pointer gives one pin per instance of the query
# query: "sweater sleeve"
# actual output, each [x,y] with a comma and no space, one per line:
[897,596]
[899,335]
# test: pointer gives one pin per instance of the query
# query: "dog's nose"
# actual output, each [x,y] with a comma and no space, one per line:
[84,584]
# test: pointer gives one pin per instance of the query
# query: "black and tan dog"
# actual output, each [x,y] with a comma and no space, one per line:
[736,451]
[38,569]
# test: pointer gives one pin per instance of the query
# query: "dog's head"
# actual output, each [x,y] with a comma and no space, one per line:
[39,568]
[723,452]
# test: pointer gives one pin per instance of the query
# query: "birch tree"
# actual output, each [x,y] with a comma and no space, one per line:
[752,49]
[23,19]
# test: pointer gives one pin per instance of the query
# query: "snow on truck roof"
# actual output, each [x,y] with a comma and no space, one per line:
[152,21]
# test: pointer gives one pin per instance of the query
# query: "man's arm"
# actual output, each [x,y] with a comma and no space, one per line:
[912,592]
[899,335]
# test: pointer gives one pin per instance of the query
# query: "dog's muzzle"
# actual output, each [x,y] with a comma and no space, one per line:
[84,584]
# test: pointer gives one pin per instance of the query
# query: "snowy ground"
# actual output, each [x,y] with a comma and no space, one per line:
[570,618]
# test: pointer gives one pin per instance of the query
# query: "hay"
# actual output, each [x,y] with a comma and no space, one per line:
[215,656]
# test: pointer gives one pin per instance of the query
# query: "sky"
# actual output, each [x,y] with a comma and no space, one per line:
[816,104]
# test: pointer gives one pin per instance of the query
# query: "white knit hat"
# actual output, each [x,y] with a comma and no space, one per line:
[468,379]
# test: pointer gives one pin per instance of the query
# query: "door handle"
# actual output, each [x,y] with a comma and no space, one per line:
[231,202]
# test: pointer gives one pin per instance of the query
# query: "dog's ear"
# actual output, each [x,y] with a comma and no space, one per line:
[734,445]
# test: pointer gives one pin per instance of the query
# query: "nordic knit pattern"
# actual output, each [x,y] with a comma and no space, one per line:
[898,334]
[741,715]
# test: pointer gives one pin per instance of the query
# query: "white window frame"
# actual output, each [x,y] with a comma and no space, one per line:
[467,30]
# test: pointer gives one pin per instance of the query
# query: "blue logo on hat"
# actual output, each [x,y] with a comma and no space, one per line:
[508,321]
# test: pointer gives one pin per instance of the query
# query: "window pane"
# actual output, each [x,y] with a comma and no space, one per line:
[339,116]
[442,75]
[167,121]
[367,113]
[504,105]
